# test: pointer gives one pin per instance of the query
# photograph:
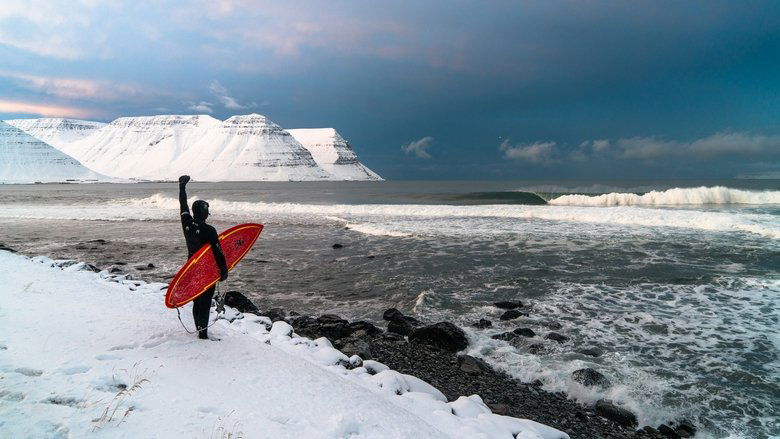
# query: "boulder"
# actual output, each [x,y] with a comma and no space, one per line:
[482,324]
[337,245]
[8,249]
[525,332]
[276,314]
[616,414]
[357,347]
[399,323]
[393,315]
[554,336]
[536,349]
[667,431]
[555,326]
[235,299]
[367,327]
[589,377]
[686,429]
[472,365]
[508,304]
[591,352]
[443,335]
[402,327]
[512,314]
[331,318]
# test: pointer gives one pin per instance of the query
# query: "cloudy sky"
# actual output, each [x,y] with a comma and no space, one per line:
[428,89]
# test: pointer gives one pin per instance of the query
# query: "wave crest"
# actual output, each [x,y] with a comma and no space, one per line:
[673,197]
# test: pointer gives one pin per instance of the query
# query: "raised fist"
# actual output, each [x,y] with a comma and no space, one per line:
[184,179]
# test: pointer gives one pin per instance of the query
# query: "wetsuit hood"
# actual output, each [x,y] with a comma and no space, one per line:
[200,210]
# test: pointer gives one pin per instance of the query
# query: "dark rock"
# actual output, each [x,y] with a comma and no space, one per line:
[506,336]
[443,335]
[686,429]
[555,326]
[235,299]
[616,414]
[508,305]
[482,324]
[120,263]
[370,256]
[141,267]
[650,431]
[556,337]
[99,241]
[275,314]
[8,249]
[525,332]
[667,431]
[591,352]
[392,314]
[537,348]
[393,336]
[590,377]
[357,347]
[114,270]
[367,327]
[337,245]
[402,327]
[472,365]
[331,318]
[399,323]
[91,268]
[499,409]
[150,265]
[512,314]
[334,331]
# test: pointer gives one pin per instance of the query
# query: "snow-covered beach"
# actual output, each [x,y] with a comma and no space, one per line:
[86,353]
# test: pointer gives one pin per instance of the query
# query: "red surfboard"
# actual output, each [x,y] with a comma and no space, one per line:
[201,271]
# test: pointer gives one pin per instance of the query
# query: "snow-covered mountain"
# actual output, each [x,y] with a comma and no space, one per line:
[333,154]
[141,147]
[248,147]
[56,131]
[26,159]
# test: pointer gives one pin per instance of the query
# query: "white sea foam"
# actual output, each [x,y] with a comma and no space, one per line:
[673,197]
[413,219]
[388,214]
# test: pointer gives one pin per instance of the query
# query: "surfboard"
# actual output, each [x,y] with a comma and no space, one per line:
[201,272]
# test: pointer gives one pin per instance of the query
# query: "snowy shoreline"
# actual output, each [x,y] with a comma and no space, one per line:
[85,352]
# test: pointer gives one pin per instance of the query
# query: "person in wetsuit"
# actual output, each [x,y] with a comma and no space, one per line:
[197,233]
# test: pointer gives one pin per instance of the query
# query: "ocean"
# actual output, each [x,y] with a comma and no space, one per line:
[677,282]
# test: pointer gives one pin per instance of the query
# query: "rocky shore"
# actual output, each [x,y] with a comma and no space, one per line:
[430,352]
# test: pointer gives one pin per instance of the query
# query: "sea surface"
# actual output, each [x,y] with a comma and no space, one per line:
[677,282]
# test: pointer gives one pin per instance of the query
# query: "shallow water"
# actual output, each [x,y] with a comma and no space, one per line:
[683,297]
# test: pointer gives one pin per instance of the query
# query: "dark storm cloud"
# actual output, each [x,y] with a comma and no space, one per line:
[653,76]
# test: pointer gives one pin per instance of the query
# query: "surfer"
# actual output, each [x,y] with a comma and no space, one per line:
[197,233]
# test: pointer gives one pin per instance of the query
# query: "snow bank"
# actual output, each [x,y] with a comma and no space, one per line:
[93,353]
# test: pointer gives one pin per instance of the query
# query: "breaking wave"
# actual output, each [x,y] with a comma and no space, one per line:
[385,217]
[672,197]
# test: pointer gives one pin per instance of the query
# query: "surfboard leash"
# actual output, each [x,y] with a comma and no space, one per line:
[220,304]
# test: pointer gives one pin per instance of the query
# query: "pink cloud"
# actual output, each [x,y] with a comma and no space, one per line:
[46,110]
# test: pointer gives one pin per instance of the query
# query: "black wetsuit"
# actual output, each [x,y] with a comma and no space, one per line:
[197,234]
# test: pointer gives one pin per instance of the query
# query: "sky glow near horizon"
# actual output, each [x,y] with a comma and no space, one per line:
[457,89]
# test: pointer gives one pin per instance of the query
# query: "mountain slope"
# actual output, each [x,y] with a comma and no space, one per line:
[249,147]
[26,159]
[56,131]
[141,147]
[333,153]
